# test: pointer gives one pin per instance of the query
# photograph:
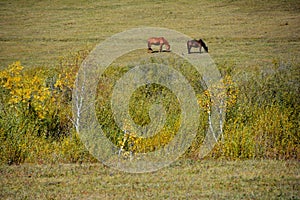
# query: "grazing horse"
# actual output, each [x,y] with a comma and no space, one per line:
[197,44]
[158,41]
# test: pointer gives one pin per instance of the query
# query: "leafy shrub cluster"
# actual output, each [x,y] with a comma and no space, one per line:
[264,123]
[36,123]
[35,113]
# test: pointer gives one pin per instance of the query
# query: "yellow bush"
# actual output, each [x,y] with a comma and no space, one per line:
[27,92]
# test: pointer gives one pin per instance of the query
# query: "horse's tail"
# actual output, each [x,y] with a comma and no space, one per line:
[149,45]
[188,43]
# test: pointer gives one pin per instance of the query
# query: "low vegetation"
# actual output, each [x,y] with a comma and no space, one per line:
[206,179]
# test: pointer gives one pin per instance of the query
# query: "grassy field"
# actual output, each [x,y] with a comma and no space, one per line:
[247,35]
[242,32]
[207,179]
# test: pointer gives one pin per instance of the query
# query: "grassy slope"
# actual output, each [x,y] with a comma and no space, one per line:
[189,180]
[243,32]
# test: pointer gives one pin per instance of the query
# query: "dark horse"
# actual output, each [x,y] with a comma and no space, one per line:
[197,44]
[158,41]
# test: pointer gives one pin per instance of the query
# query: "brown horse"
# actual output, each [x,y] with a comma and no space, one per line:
[197,44]
[158,41]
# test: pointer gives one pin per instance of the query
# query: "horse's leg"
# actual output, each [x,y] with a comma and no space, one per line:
[188,47]
[160,47]
[200,48]
[149,46]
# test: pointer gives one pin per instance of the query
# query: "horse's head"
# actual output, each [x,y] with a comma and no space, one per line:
[204,45]
[168,47]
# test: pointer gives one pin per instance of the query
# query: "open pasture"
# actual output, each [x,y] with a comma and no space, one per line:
[241,32]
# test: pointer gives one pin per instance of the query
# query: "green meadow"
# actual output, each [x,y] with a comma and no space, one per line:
[255,46]
[243,32]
